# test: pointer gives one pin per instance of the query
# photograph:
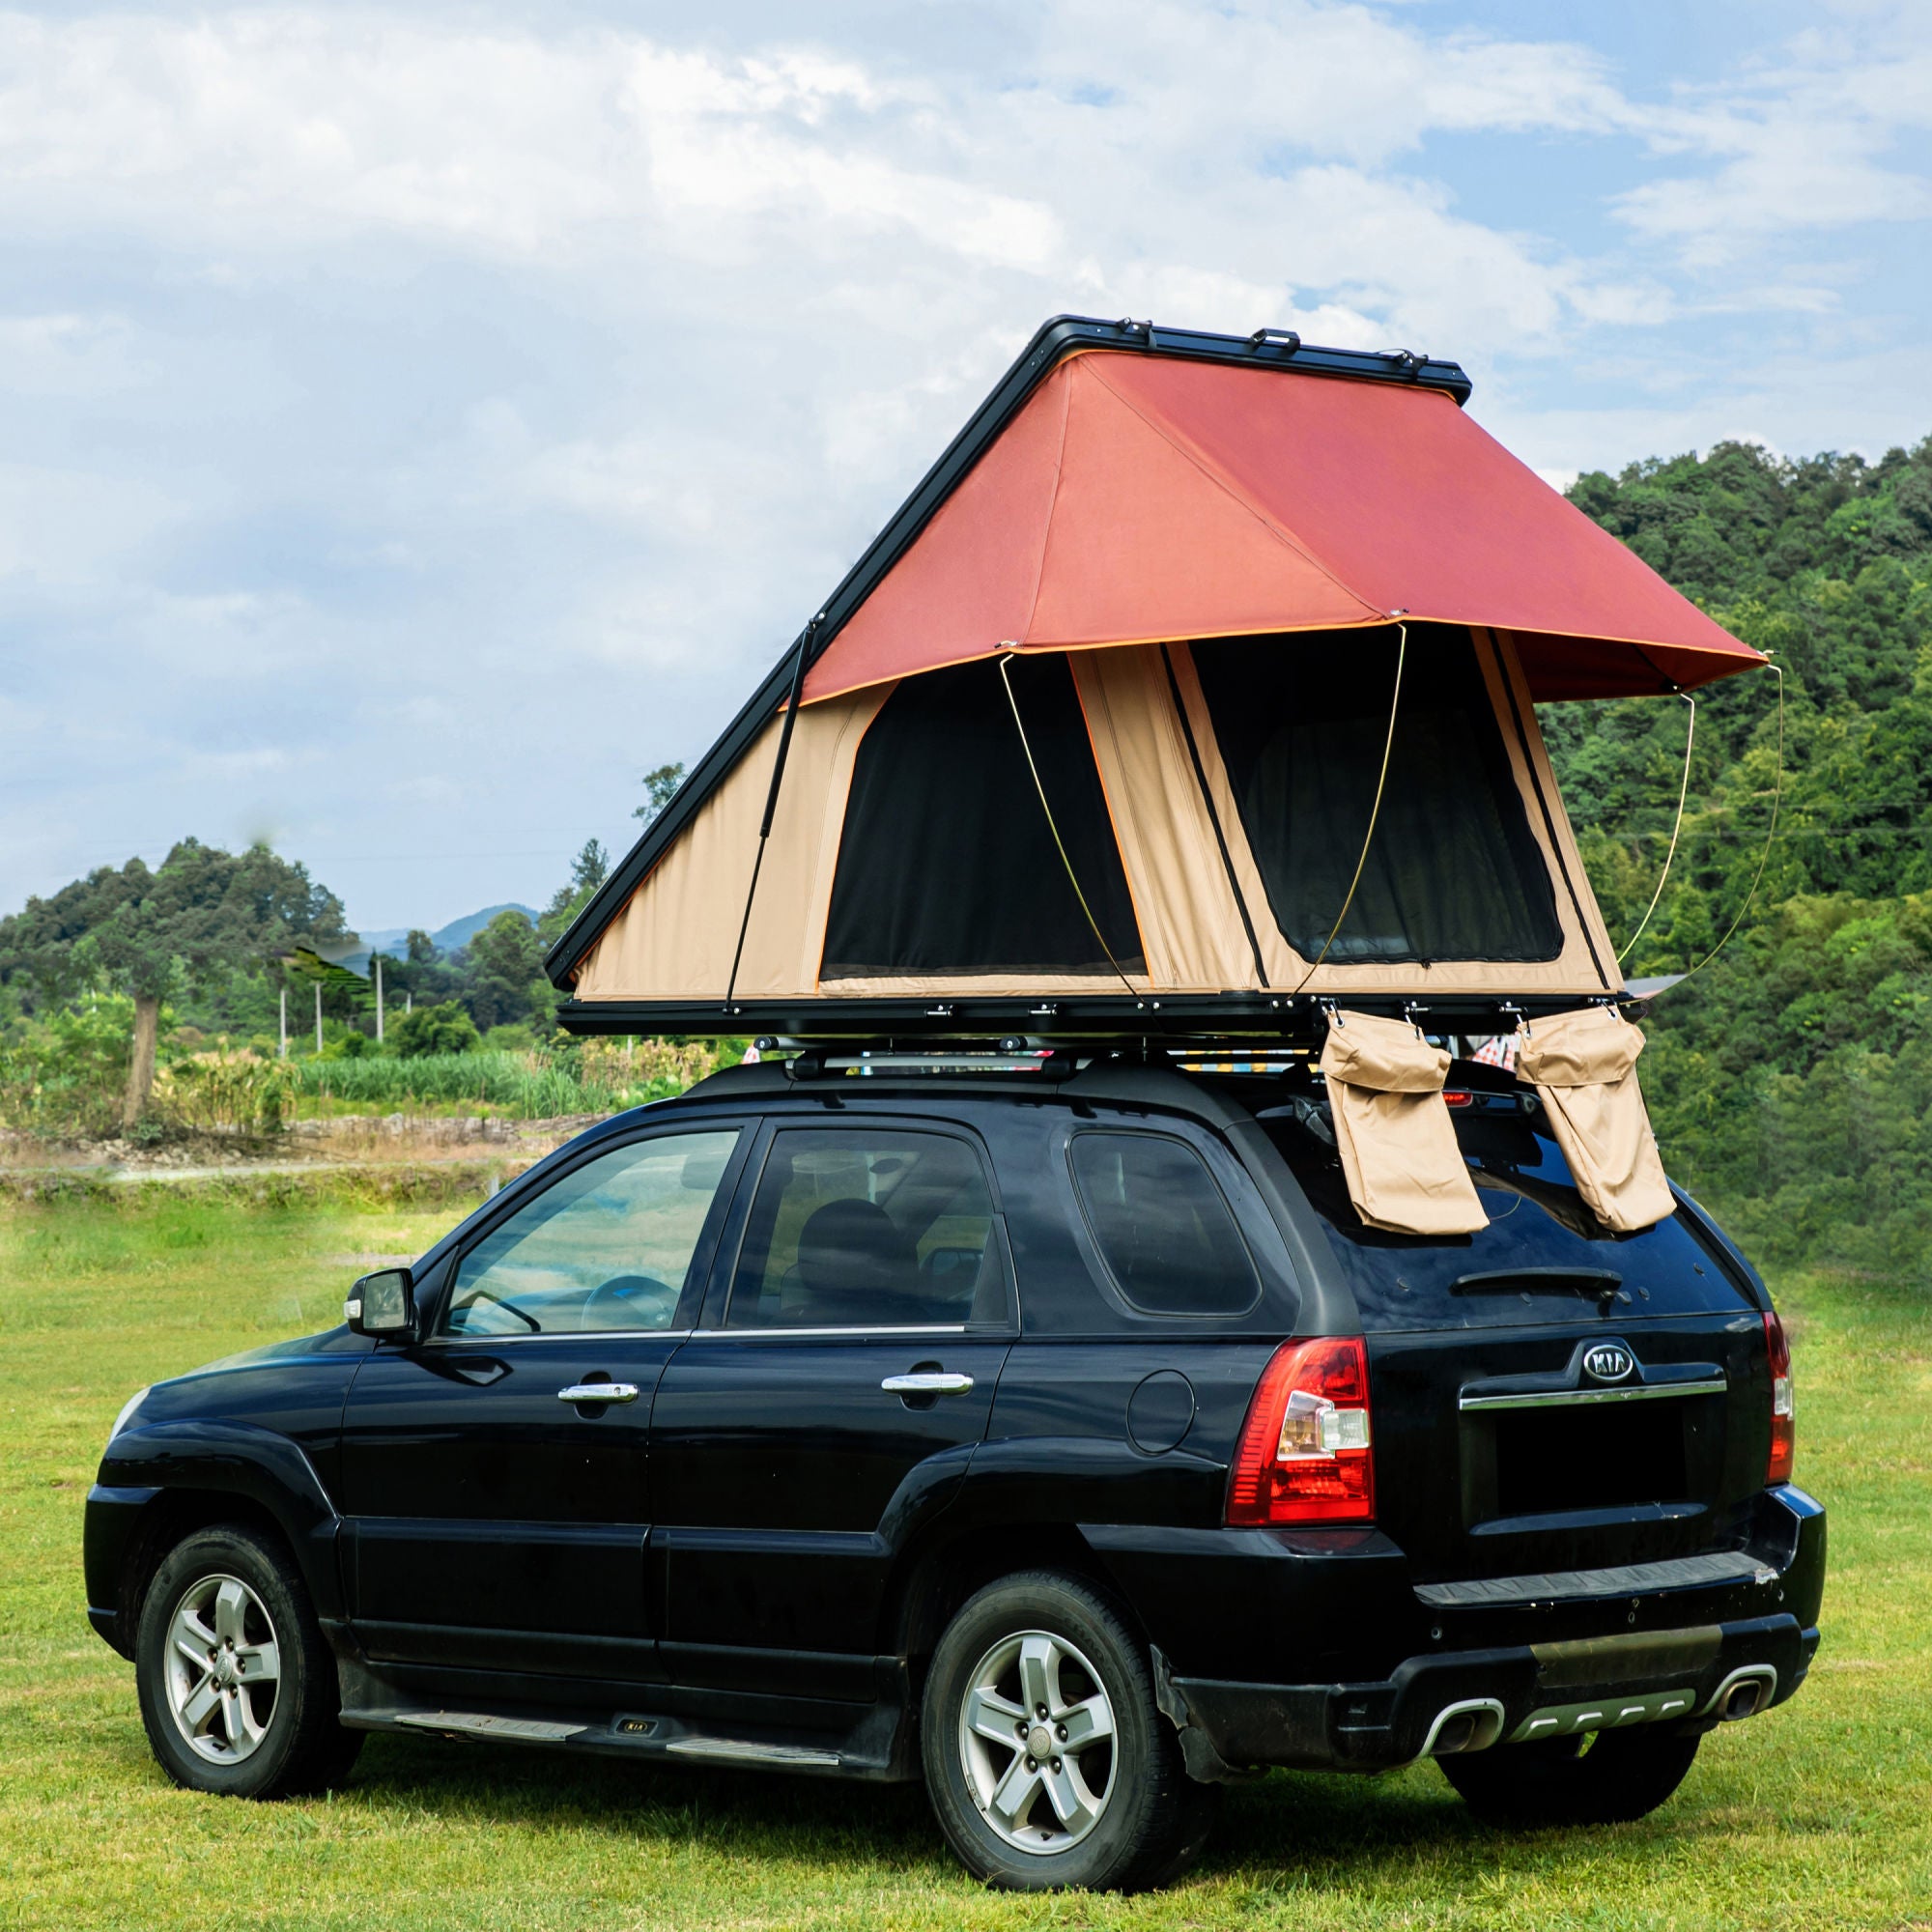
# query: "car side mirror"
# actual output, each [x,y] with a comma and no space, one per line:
[383,1305]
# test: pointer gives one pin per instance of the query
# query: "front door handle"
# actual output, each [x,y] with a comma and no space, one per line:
[927,1382]
[599,1392]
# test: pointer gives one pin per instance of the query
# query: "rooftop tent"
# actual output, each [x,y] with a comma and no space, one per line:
[1099,722]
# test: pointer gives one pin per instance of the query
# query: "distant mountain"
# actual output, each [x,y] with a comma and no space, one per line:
[459,932]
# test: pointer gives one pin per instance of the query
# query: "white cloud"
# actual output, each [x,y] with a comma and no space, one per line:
[418,421]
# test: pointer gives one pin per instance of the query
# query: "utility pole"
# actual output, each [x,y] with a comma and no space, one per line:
[282,1053]
[317,1015]
[377,962]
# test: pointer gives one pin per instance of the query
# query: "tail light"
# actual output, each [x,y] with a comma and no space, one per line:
[1784,1435]
[1306,1454]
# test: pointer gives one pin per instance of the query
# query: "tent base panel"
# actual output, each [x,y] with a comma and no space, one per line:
[1087,1018]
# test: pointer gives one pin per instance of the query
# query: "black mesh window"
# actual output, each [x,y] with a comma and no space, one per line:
[946,864]
[1454,871]
[1163,1226]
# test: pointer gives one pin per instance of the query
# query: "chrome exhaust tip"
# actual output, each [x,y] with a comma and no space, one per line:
[1473,1724]
[1742,1694]
[1747,1700]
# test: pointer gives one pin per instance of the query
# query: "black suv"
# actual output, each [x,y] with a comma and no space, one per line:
[1057,1434]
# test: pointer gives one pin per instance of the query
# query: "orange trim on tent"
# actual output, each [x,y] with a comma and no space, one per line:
[1138,499]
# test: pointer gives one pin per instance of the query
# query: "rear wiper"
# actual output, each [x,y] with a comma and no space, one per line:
[1598,1282]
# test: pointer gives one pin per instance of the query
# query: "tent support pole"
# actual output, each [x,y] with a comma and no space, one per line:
[1213,816]
[801,662]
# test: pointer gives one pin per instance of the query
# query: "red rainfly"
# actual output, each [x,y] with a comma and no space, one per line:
[1137,498]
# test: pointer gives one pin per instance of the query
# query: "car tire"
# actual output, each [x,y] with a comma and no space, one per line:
[1602,1777]
[1091,1792]
[237,1687]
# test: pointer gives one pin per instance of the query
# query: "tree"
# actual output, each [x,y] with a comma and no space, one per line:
[660,788]
[588,871]
[503,968]
[203,913]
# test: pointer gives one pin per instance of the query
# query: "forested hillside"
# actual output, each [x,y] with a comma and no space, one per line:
[1792,1079]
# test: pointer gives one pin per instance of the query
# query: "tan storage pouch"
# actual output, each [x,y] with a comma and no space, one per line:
[1583,1067]
[1405,1173]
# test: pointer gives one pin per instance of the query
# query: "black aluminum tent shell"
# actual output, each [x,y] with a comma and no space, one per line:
[1056,339]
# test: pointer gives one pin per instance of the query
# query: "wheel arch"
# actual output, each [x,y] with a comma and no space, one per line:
[157,1486]
[932,1580]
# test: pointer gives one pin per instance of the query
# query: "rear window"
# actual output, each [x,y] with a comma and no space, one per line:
[1543,1255]
[1163,1226]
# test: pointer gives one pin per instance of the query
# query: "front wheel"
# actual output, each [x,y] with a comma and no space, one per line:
[238,1686]
[1047,1761]
[1601,1777]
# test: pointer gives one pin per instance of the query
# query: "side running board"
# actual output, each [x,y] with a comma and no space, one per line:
[484,1725]
[628,1733]
[739,1751]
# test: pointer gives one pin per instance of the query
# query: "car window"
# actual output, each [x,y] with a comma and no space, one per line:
[1541,1257]
[608,1246]
[868,1228]
[1163,1225]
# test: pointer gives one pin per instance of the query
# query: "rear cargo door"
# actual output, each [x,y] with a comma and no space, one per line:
[1547,1395]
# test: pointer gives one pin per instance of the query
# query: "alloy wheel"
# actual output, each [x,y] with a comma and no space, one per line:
[1037,1738]
[223,1670]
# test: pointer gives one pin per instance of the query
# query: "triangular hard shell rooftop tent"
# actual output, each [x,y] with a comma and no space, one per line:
[1090,739]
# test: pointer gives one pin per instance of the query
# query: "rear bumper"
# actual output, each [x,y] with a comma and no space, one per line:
[1472,1700]
[1418,1668]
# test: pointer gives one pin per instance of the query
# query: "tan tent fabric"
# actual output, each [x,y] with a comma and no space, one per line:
[674,938]
[1584,931]
[1405,1173]
[1583,1067]
[1587,963]
[1190,926]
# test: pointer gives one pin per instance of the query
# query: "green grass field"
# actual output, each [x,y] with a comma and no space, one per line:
[1819,1815]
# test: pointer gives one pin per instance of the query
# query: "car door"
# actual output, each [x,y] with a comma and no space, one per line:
[844,1372]
[496,1502]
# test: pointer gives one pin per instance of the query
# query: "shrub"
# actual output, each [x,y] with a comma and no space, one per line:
[445,1029]
[597,1077]
[225,1091]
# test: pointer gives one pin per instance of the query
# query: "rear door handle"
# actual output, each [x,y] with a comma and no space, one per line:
[927,1382]
[599,1392]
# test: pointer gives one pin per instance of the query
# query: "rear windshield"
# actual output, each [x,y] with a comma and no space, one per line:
[1543,1256]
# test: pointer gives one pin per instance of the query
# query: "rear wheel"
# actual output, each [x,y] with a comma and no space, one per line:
[237,1687]
[1602,1777]
[1047,1761]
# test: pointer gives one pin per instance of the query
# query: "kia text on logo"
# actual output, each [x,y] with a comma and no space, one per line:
[1608,1364]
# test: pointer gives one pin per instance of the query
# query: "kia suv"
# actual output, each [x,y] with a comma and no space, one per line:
[1051,1430]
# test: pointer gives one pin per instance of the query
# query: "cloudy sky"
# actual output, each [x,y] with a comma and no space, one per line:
[417,422]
